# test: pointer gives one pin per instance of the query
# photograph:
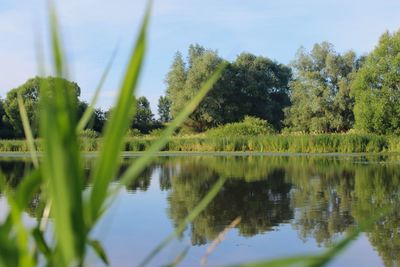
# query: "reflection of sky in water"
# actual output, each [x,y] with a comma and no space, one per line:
[139,220]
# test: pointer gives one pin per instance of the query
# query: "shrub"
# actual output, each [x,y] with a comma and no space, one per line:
[89,133]
[250,126]
[134,132]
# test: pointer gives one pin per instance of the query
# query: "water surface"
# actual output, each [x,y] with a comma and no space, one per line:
[287,204]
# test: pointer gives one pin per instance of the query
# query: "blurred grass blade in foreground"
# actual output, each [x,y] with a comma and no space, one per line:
[62,168]
[87,115]
[107,163]
[28,131]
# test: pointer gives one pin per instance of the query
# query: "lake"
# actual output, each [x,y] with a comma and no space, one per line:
[287,205]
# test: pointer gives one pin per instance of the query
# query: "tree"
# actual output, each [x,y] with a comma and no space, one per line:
[377,88]
[175,81]
[97,120]
[184,82]
[29,92]
[320,92]
[6,130]
[254,86]
[143,119]
[164,109]
[259,88]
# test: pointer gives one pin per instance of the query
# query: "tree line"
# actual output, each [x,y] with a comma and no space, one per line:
[320,91]
[11,123]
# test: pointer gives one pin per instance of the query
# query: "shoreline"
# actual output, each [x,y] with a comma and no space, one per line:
[134,154]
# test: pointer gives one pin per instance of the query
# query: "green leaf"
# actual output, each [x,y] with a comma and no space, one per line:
[98,248]
[29,185]
[28,131]
[62,169]
[40,242]
[90,109]
[107,163]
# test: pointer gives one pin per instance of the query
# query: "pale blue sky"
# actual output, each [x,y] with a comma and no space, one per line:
[275,29]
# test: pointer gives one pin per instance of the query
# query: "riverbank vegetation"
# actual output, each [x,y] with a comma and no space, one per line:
[303,143]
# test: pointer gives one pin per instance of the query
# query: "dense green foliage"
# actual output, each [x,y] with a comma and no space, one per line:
[250,126]
[6,129]
[251,85]
[164,109]
[320,91]
[143,120]
[11,123]
[30,92]
[329,92]
[184,80]
[377,88]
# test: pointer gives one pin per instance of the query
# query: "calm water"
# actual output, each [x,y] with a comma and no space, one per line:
[287,204]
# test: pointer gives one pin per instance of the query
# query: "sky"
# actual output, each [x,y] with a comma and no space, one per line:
[91,29]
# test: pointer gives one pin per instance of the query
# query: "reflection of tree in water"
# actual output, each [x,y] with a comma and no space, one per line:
[262,204]
[323,206]
[142,182]
[14,170]
[378,192]
[328,195]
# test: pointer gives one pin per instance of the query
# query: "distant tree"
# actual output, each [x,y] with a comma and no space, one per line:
[164,109]
[97,120]
[258,87]
[320,91]
[6,130]
[377,88]
[175,81]
[143,119]
[183,84]
[30,95]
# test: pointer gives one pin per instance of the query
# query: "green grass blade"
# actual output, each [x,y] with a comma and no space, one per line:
[307,260]
[189,218]
[27,188]
[107,163]
[322,259]
[295,261]
[28,131]
[90,109]
[62,168]
[25,257]
[57,51]
[331,253]
[180,257]
[134,170]
[98,248]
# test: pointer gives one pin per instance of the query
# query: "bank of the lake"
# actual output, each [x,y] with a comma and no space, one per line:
[321,143]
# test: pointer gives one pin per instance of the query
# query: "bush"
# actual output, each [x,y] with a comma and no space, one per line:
[89,133]
[156,132]
[250,126]
[134,133]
